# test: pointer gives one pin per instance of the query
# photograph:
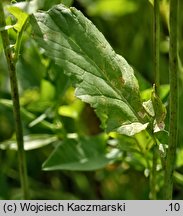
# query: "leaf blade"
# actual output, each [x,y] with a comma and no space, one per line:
[102,78]
[82,154]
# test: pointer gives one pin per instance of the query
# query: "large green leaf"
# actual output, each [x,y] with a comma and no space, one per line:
[84,154]
[102,78]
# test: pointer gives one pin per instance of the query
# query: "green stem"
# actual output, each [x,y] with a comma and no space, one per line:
[153,194]
[173,132]
[16,105]
[156,42]
[156,45]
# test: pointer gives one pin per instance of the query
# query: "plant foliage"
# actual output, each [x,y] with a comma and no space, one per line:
[102,78]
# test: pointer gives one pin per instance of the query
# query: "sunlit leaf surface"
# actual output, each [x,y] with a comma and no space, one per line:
[102,78]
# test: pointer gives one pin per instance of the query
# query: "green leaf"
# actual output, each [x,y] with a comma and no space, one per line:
[114,7]
[164,91]
[159,110]
[132,129]
[29,117]
[73,110]
[20,15]
[126,143]
[82,154]
[152,2]
[35,5]
[102,78]
[148,105]
[47,90]
[178,177]
[32,141]
[179,160]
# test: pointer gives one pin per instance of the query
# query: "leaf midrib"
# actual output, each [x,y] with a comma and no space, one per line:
[90,60]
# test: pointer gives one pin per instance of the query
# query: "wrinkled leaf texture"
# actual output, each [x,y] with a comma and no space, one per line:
[102,78]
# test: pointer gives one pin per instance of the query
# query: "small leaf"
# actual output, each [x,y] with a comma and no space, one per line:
[148,106]
[28,117]
[162,150]
[84,154]
[145,141]
[127,144]
[47,90]
[73,110]
[159,110]
[132,129]
[20,15]
[102,78]
[31,142]
[164,91]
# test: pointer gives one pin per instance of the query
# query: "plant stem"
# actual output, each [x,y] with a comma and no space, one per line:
[156,45]
[16,105]
[154,173]
[156,42]
[173,132]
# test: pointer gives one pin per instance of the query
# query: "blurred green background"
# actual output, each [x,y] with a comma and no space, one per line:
[50,110]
